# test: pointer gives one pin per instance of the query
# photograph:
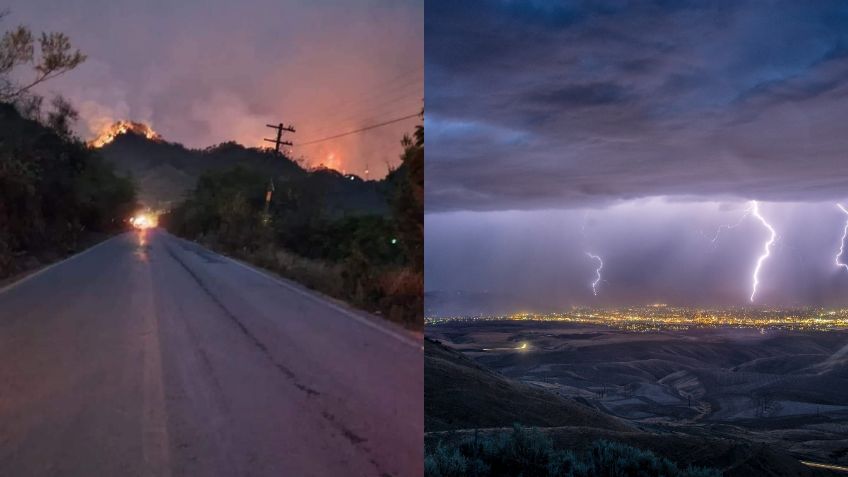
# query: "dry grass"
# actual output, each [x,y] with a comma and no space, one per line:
[394,293]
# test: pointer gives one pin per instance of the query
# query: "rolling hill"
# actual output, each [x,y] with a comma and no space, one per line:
[461,394]
[465,400]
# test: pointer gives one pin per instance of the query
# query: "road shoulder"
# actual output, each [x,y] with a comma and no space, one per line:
[17,279]
[409,337]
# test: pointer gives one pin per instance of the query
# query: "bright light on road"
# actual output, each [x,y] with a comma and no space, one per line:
[143,221]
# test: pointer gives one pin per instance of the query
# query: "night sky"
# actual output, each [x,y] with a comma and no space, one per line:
[633,130]
[204,72]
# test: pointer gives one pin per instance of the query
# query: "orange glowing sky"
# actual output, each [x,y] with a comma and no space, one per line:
[201,73]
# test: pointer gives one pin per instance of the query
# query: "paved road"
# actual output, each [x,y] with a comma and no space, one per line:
[150,355]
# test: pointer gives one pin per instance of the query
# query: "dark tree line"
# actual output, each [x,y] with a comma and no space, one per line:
[54,191]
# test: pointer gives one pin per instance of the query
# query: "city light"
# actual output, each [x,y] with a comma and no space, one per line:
[667,318]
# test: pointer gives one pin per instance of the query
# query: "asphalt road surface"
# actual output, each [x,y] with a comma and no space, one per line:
[150,355]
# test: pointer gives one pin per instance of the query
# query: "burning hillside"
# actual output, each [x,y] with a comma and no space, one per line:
[109,133]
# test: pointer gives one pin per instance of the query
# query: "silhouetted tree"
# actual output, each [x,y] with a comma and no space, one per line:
[409,203]
[55,56]
[62,116]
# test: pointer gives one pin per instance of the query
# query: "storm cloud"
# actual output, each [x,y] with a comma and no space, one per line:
[634,131]
[205,72]
[567,104]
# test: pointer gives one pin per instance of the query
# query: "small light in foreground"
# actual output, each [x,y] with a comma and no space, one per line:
[394,241]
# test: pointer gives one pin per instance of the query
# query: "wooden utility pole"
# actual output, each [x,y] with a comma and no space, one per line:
[268,194]
[277,143]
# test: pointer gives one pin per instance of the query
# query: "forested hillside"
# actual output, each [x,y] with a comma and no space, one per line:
[55,193]
[166,171]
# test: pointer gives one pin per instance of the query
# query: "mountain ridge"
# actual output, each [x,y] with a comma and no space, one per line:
[166,171]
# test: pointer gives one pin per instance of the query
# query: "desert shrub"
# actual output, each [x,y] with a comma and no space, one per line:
[529,453]
[446,462]
[614,459]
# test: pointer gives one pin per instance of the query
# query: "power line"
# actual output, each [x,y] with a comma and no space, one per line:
[366,128]
[373,113]
[379,89]
[369,101]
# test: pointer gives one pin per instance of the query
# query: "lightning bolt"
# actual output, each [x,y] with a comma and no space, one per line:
[755,211]
[748,211]
[597,272]
[842,240]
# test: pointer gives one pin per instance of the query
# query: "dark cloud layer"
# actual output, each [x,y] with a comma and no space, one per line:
[564,104]
[204,72]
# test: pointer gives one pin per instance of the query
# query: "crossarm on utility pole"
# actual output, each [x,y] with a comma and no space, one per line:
[279,140]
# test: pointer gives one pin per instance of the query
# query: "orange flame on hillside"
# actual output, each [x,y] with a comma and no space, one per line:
[332,161]
[109,133]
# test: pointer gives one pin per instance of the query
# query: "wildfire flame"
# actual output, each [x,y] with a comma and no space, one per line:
[334,162]
[109,133]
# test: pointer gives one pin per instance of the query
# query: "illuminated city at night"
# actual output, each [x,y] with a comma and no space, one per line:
[662,317]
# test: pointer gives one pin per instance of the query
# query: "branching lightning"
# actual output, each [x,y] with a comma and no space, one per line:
[842,241]
[721,227]
[597,272]
[755,211]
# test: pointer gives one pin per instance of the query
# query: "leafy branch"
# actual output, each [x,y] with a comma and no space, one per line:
[17,48]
